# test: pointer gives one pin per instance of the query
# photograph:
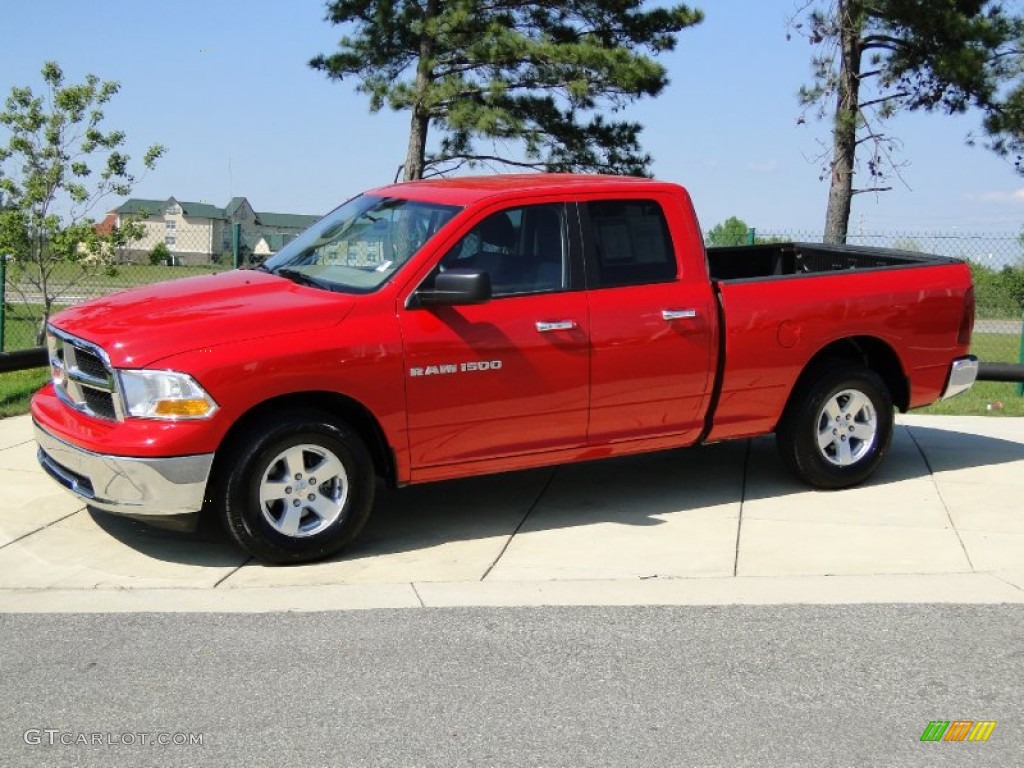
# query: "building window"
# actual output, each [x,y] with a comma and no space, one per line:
[171,226]
[169,240]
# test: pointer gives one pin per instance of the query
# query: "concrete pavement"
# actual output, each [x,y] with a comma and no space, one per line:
[941,522]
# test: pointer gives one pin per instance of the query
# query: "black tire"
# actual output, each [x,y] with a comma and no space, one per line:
[276,508]
[837,427]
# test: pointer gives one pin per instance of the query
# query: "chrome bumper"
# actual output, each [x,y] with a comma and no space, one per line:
[124,485]
[962,374]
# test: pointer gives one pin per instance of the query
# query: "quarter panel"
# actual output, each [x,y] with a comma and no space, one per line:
[774,327]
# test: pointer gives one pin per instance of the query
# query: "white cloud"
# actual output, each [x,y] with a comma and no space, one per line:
[1016,196]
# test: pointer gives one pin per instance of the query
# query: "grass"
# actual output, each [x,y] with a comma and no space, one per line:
[986,398]
[19,332]
[128,275]
[17,388]
[72,280]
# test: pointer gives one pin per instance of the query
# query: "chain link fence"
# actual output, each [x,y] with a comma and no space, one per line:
[997,266]
[172,248]
[996,263]
[31,292]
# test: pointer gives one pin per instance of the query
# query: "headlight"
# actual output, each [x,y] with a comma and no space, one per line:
[164,395]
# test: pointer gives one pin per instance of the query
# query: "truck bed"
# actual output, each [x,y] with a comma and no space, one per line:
[783,303]
[753,262]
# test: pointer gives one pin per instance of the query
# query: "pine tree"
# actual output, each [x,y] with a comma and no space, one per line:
[529,79]
[878,57]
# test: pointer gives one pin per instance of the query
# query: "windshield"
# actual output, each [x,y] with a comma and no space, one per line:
[358,246]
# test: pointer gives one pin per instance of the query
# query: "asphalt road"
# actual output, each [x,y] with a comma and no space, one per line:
[669,686]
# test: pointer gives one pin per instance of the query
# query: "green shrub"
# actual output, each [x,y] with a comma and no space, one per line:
[160,254]
[999,293]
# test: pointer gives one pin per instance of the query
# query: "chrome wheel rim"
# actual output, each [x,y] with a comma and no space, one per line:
[303,491]
[847,428]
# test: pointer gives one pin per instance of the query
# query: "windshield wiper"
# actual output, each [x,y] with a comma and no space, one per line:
[298,276]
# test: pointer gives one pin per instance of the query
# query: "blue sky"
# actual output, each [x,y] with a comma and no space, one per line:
[225,85]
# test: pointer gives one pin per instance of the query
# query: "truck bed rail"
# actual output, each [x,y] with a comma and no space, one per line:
[752,262]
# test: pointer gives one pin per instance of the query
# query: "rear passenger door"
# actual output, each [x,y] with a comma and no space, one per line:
[651,323]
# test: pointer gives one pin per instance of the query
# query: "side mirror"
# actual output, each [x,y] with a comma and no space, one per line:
[456,286]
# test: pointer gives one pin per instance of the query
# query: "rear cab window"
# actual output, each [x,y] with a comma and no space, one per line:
[627,242]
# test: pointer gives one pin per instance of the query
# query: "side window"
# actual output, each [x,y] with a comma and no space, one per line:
[524,250]
[631,243]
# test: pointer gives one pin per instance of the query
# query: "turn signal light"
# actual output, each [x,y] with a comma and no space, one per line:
[182,408]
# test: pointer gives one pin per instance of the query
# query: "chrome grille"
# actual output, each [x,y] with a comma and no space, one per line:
[91,363]
[83,377]
[99,403]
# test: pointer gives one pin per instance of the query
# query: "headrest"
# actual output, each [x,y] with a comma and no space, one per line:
[498,230]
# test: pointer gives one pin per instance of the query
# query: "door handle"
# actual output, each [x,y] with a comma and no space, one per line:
[678,314]
[560,325]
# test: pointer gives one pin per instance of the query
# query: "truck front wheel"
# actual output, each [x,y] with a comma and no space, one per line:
[838,426]
[298,490]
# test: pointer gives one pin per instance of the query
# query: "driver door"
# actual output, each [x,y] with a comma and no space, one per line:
[508,376]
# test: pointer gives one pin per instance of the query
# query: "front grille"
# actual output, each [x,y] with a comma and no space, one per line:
[99,403]
[91,363]
[82,376]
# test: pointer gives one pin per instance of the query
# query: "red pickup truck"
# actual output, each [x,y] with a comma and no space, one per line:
[447,328]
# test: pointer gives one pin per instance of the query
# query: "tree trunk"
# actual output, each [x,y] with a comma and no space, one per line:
[416,152]
[41,263]
[847,117]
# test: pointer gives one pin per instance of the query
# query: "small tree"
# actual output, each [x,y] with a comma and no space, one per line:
[48,182]
[735,231]
[160,254]
[526,76]
[732,231]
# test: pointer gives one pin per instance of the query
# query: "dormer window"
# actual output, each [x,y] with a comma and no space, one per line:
[173,210]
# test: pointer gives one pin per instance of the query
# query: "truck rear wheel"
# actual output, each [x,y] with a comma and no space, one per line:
[299,490]
[837,427]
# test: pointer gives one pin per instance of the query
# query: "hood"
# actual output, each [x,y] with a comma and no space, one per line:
[142,325]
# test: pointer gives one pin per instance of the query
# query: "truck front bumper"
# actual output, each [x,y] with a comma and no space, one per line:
[125,485]
[962,374]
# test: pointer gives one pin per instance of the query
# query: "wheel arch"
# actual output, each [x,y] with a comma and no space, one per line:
[345,409]
[871,352]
